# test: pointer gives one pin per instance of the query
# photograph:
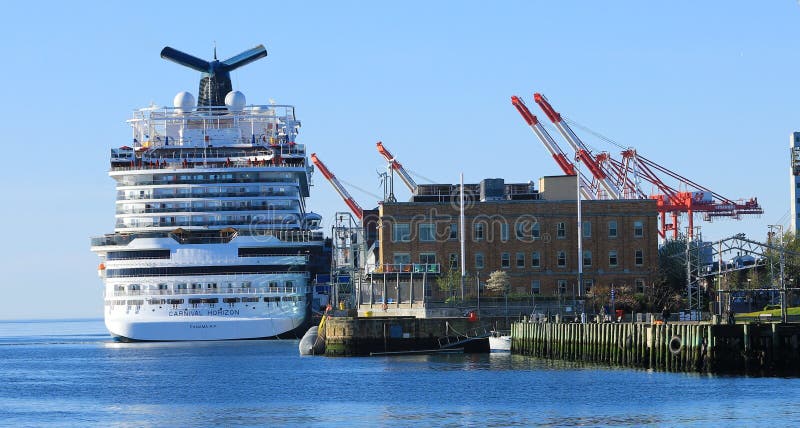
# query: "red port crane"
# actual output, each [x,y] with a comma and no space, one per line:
[622,178]
[560,157]
[398,167]
[595,164]
[337,185]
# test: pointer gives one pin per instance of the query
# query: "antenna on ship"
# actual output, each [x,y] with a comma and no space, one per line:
[216,80]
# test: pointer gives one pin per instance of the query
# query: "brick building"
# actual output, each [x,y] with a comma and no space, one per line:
[529,233]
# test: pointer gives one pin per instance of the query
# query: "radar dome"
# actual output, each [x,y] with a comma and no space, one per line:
[235,101]
[183,102]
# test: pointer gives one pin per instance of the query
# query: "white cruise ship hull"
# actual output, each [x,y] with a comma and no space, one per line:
[203,323]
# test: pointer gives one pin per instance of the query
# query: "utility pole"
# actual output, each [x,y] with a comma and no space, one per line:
[689,267]
[580,238]
[463,238]
[782,283]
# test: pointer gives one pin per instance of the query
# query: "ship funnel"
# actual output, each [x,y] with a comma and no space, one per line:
[216,81]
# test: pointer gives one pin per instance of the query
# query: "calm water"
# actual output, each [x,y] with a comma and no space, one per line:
[69,373]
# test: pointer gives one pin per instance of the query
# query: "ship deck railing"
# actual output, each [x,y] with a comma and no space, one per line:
[267,122]
[184,292]
[219,180]
[136,197]
[289,219]
[287,209]
[179,164]
[183,277]
[115,239]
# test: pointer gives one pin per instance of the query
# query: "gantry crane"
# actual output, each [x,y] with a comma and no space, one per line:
[398,167]
[595,165]
[337,185]
[621,178]
[560,157]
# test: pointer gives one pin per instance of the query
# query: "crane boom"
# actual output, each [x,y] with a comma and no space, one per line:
[551,146]
[621,179]
[397,166]
[584,154]
[337,185]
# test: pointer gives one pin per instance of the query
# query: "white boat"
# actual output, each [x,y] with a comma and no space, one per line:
[212,238]
[500,341]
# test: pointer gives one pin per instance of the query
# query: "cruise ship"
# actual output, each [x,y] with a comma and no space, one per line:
[213,240]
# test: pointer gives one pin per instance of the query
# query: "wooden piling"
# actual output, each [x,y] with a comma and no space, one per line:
[697,347]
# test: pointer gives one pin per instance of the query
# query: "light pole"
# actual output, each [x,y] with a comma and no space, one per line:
[580,235]
[782,283]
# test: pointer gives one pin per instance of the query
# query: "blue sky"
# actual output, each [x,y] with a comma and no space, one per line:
[707,89]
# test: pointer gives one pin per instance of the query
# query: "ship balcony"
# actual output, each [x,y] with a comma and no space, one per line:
[144,195]
[276,209]
[206,237]
[182,279]
[222,289]
[161,164]
[173,179]
[246,223]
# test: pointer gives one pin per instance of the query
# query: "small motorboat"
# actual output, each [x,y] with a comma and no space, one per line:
[500,341]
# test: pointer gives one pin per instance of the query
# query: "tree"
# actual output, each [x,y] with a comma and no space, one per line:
[450,283]
[498,283]
[670,287]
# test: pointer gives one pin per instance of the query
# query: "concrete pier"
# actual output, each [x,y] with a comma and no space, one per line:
[756,348]
[353,336]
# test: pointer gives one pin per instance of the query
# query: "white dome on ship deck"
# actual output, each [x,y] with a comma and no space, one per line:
[235,101]
[183,102]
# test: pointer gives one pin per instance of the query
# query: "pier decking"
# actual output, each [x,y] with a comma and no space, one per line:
[756,348]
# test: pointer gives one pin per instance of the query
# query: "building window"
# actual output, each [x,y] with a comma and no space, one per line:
[536,286]
[519,229]
[638,229]
[562,287]
[402,258]
[639,285]
[427,258]
[561,230]
[536,231]
[612,229]
[478,231]
[478,260]
[536,260]
[587,285]
[639,257]
[427,232]
[453,257]
[453,231]
[562,259]
[505,260]
[612,258]
[587,229]
[401,232]
[503,232]
[521,260]
[587,258]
